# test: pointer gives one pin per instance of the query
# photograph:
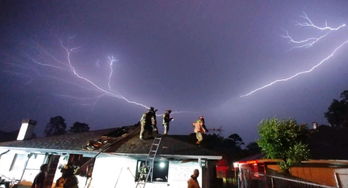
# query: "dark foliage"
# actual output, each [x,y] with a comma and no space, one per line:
[79,127]
[337,114]
[56,126]
[253,148]
[329,143]
[230,147]
[8,136]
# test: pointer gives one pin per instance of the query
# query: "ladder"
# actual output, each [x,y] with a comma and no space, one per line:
[150,161]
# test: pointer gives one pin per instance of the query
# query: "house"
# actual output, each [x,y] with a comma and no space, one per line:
[116,165]
[327,167]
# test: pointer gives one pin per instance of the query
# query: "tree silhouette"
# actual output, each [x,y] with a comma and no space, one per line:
[337,114]
[79,127]
[253,148]
[229,147]
[236,139]
[56,126]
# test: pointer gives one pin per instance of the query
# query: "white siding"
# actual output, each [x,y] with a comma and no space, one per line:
[33,167]
[12,164]
[110,171]
[113,171]
[119,172]
[180,172]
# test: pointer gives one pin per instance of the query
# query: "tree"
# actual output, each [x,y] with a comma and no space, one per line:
[283,139]
[236,140]
[56,126]
[253,148]
[79,127]
[337,114]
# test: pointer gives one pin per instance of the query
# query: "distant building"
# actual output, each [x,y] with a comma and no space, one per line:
[116,167]
[315,125]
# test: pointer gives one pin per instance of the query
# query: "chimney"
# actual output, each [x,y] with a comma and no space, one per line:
[26,131]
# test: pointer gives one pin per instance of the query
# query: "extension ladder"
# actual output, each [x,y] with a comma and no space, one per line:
[150,161]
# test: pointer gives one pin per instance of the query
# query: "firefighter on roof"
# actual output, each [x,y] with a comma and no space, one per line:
[199,129]
[166,120]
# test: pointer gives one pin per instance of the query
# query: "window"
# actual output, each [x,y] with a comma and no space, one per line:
[160,171]
[85,164]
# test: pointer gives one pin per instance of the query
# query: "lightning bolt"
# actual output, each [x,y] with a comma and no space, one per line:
[41,57]
[306,43]
[45,64]
[69,52]
[309,23]
[299,73]
[309,42]
[111,59]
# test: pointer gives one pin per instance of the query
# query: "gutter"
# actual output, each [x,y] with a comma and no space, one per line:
[93,153]
[54,151]
[170,156]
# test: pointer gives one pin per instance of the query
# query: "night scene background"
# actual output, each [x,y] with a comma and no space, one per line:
[104,62]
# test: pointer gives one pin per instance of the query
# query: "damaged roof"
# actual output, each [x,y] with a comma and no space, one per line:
[125,142]
[69,141]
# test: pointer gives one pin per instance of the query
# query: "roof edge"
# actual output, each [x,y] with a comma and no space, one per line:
[42,150]
[59,151]
[211,157]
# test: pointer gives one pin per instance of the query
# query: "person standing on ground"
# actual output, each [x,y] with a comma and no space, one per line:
[39,180]
[166,120]
[68,179]
[192,182]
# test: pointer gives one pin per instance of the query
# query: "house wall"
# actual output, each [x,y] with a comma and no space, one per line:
[32,168]
[20,165]
[110,171]
[113,171]
[180,172]
[119,171]
[25,168]
[5,165]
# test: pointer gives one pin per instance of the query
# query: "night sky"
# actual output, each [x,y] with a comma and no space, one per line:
[195,57]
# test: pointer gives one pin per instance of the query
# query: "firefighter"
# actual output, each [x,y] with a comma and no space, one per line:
[166,120]
[199,130]
[68,179]
[144,124]
[143,171]
[152,112]
[192,182]
[148,123]
[203,121]
[39,181]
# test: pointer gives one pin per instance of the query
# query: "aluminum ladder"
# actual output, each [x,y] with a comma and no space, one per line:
[150,161]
